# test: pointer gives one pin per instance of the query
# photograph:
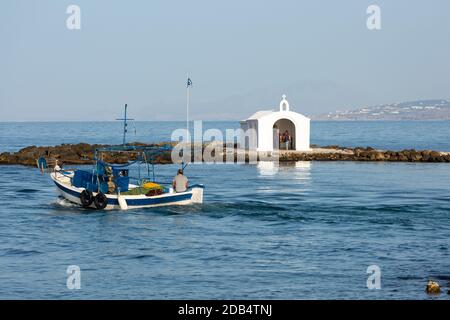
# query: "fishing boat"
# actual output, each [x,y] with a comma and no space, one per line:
[109,186]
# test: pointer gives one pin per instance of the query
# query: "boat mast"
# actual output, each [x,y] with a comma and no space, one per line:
[125,124]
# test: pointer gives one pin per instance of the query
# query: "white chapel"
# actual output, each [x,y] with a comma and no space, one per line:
[277,130]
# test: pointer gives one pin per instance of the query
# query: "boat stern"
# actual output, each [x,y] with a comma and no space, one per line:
[197,193]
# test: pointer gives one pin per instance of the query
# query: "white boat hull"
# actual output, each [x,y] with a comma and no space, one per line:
[72,194]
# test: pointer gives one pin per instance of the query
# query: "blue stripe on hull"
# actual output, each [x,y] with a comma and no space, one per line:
[151,201]
[135,202]
[67,190]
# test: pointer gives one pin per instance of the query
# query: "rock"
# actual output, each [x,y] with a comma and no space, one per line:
[364,154]
[379,156]
[4,157]
[435,154]
[372,155]
[331,147]
[433,287]
[426,156]
[415,156]
[406,154]
[27,149]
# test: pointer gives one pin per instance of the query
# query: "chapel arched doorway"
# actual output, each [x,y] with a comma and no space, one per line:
[284,135]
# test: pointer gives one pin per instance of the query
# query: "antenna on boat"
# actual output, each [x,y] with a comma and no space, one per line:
[125,124]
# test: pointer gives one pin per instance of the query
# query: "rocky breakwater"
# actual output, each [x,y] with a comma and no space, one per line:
[83,153]
[71,154]
[335,153]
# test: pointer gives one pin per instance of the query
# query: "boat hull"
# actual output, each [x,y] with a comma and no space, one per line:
[72,194]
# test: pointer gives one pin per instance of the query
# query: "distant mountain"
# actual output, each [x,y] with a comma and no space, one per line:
[415,110]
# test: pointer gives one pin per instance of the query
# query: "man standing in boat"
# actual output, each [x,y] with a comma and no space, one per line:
[180,182]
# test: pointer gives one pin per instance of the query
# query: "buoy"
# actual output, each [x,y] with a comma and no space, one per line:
[122,202]
[42,164]
[433,287]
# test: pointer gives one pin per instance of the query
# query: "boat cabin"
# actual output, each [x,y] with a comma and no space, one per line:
[99,179]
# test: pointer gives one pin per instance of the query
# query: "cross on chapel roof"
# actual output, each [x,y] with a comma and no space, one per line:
[284,104]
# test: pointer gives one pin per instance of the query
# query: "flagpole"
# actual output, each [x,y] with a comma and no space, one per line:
[187,110]
[188,84]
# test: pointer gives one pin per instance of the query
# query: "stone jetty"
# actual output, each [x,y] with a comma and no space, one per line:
[336,153]
[83,153]
[72,154]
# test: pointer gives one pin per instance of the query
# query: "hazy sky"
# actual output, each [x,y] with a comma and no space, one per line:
[241,55]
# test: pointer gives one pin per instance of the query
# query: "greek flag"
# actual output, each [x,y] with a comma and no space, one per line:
[189,83]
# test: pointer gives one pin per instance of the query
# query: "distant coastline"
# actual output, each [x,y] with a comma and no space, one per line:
[421,110]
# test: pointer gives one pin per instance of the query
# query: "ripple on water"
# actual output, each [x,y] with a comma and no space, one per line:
[27,190]
[19,252]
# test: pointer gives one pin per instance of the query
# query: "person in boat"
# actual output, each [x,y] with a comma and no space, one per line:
[57,167]
[111,184]
[110,180]
[180,182]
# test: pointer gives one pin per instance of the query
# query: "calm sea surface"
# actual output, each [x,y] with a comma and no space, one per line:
[395,135]
[297,231]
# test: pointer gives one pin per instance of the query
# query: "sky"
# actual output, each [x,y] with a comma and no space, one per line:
[241,55]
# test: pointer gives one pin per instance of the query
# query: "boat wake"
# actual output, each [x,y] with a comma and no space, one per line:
[63,203]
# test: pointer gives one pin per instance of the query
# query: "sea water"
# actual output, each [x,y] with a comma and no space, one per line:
[395,135]
[305,230]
